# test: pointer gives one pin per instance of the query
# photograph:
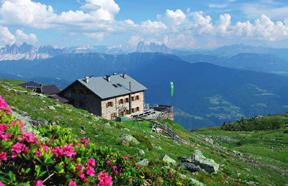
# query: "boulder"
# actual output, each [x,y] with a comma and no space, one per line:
[127,139]
[206,164]
[144,163]
[141,152]
[199,162]
[168,160]
[190,166]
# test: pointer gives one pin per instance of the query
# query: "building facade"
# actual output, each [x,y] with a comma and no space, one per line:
[109,96]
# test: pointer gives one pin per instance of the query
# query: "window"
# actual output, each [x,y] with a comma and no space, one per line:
[121,101]
[109,104]
[133,110]
[137,97]
[113,115]
[127,112]
[137,109]
[126,100]
[132,98]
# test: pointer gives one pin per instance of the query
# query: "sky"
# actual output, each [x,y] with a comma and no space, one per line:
[179,24]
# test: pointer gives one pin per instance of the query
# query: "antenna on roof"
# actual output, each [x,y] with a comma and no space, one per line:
[130,85]
[108,78]
[123,75]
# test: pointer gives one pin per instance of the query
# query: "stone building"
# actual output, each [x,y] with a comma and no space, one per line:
[110,96]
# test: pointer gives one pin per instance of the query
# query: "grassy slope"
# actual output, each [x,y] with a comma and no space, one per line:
[264,154]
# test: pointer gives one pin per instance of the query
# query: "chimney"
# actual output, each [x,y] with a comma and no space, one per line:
[86,79]
[108,78]
[123,76]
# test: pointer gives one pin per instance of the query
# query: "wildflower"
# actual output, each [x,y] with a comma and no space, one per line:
[79,167]
[69,150]
[39,183]
[91,162]
[84,141]
[5,136]
[3,128]
[72,183]
[29,137]
[17,149]
[82,176]
[19,123]
[115,169]
[104,179]
[3,157]
[2,184]
[4,106]
[126,157]
[57,151]
[90,171]
[38,151]
[108,162]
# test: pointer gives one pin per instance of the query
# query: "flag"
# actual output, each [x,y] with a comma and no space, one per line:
[172,88]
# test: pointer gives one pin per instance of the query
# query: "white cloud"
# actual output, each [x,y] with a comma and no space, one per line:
[101,9]
[26,12]
[225,21]
[177,16]
[153,26]
[201,22]
[6,37]
[22,37]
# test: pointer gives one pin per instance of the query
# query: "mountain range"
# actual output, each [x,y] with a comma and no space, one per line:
[205,94]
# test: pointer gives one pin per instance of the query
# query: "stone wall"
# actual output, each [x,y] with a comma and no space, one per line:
[118,108]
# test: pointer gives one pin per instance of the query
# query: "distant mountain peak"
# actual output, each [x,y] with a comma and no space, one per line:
[27,52]
[152,47]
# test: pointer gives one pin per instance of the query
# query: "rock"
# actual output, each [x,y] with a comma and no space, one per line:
[190,166]
[196,182]
[209,140]
[107,125]
[126,129]
[206,164]
[51,108]
[168,160]
[127,139]
[144,163]
[141,152]
[192,180]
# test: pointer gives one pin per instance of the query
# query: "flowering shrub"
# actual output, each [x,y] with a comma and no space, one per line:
[57,157]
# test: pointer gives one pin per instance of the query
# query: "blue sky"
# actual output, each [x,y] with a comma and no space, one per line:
[124,23]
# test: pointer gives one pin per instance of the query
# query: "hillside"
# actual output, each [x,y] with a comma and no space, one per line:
[245,158]
[215,93]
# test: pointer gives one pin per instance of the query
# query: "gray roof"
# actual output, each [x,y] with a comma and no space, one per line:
[117,85]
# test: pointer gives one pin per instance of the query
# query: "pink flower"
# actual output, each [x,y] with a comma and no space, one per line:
[57,151]
[2,184]
[67,150]
[4,106]
[3,156]
[82,176]
[126,157]
[17,149]
[5,136]
[39,183]
[108,162]
[79,167]
[29,137]
[90,171]
[3,128]
[84,141]
[91,162]
[38,151]
[72,183]
[104,179]
[115,169]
